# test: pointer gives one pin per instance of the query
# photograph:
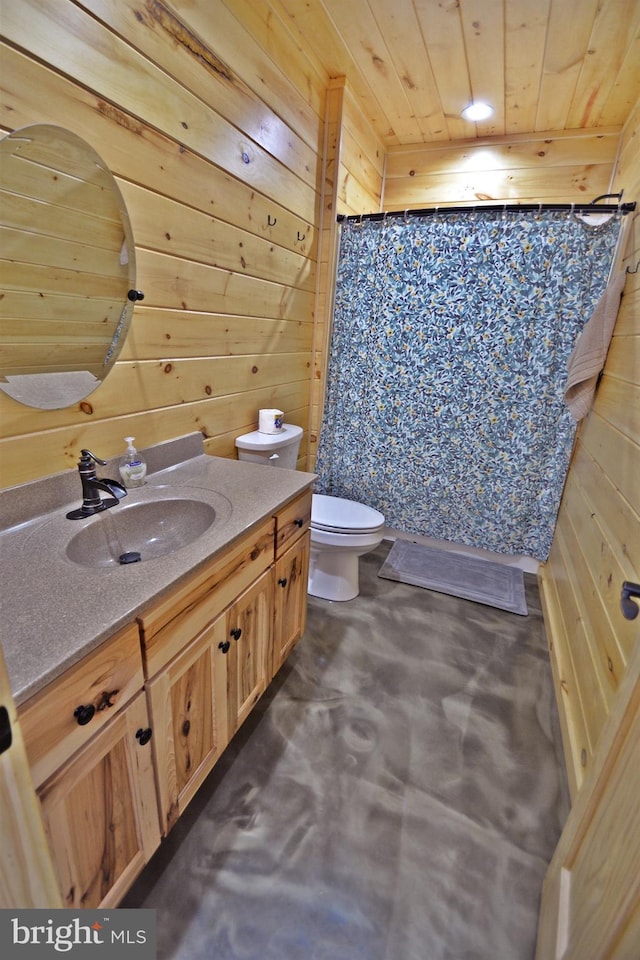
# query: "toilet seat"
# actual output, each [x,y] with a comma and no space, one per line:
[338,515]
[345,539]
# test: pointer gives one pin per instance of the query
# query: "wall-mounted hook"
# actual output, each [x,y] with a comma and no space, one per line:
[301,238]
[629,270]
[270,222]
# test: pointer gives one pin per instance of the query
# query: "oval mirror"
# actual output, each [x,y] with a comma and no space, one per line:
[67,268]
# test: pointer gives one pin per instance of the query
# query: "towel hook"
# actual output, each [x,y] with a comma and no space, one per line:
[629,270]
[270,222]
[301,238]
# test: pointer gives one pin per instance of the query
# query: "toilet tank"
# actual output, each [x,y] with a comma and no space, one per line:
[271,449]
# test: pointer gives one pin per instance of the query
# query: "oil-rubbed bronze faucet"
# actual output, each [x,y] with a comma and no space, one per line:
[92,502]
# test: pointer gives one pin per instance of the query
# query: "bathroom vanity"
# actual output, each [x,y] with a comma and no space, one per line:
[131,679]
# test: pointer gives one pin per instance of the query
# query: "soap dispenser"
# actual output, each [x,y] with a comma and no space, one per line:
[133,468]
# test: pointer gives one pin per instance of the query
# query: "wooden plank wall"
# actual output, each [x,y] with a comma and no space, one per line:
[353,177]
[541,168]
[210,141]
[597,541]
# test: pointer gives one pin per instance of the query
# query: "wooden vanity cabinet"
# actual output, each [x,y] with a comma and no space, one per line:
[94,779]
[115,766]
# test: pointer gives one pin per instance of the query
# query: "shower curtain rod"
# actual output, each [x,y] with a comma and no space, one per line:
[593,207]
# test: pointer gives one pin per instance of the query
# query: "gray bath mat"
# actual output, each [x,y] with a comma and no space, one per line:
[483,581]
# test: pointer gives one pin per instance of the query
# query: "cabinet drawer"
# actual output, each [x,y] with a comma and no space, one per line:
[173,622]
[100,684]
[292,521]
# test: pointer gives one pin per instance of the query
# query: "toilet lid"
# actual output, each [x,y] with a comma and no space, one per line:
[269,441]
[336,513]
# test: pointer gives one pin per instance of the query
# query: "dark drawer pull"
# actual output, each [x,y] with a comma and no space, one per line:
[84,714]
[282,581]
[298,522]
[224,646]
[143,735]
[236,633]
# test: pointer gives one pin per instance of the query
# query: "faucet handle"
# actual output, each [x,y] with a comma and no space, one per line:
[87,456]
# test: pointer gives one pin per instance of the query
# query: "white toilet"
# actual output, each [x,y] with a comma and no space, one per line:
[341,530]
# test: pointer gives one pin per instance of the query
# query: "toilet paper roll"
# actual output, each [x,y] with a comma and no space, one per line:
[270,421]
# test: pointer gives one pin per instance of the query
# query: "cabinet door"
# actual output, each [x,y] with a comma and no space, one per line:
[100,812]
[188,703]
[26,872]
[292,572]
[249,631]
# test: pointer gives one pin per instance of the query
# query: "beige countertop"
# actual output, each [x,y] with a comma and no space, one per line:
[55,611]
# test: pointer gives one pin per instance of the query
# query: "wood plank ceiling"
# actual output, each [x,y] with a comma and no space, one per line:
[544,65]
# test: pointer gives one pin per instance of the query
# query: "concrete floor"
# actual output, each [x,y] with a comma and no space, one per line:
[396,795]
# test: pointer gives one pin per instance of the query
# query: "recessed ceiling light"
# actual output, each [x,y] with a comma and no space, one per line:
[477,111]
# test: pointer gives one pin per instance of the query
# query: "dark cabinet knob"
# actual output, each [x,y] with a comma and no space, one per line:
[298,523]
[143,736]
[134,295]
[224,646]
[282,581]
[84,714]
[236,633]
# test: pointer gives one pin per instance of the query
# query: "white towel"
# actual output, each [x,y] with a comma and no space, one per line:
[590,351]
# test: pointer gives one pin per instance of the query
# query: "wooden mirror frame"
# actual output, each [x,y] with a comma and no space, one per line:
[67,270]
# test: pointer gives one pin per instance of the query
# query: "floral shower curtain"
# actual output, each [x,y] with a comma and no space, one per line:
[451,335]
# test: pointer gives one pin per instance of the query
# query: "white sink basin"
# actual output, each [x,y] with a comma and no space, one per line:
[140,531]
